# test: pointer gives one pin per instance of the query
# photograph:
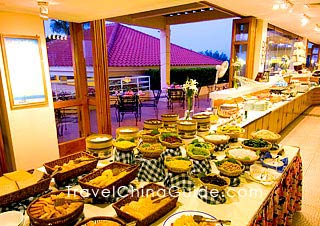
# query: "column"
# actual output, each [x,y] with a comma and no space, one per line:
[101,77]
[165,56]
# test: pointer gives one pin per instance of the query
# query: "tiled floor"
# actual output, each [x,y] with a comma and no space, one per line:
[304,132]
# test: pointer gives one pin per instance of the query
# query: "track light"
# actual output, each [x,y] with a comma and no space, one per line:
[44,9]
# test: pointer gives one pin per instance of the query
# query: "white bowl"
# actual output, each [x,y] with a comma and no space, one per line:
[11,218]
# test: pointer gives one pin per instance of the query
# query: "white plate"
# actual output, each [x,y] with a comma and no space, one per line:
[170,220]
[11,218]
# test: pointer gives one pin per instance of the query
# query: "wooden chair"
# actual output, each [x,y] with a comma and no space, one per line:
[128,105]
[175,96]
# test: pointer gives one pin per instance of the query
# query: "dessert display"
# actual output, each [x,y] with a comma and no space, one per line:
[171,140]
[187,128]
[216,138]
[46,210]
[266,135]
[146,205]
[229,167]
[152,124]
[245,156]
[151,150]
[150,135]
[213,181]
[124,145]
[178,164]
[256,144]
[199,150]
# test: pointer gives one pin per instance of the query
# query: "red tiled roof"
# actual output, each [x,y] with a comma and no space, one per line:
[127,48]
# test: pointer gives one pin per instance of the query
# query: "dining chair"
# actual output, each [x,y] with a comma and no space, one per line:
[128,105]
[175,96]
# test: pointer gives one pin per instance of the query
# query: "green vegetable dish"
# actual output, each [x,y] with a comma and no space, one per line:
[199,148]
[256,143]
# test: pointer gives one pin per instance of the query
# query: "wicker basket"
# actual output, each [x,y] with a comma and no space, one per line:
[214,186]
[102,220]
[262,149]
[172,145]
[147,138]
[63,176]
[176,169]
[199,157]
[210,138]
[26,192]
[243,161]
[271,140]
[119,148]
[135,197]
[67,219]
[228,173]
[152,124]
[125,180]
[151,154]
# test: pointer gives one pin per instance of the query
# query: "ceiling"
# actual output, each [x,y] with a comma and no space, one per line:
[84,10]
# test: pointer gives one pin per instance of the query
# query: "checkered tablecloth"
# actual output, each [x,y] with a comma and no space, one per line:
[221,147]
[171,152]
[179,180]
[213,198]
[151,170]
[234,181]
[200,166]
[124,157]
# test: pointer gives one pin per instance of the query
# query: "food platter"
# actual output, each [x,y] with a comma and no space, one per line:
[257,145]
[244,155]
[170,220]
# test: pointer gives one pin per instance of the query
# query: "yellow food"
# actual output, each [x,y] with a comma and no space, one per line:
[183,164]
[229,129]
[44,207]
[151,147]
[103,223]
[266,134]
[7,186]
[229,166]
[72,164]
[145,206]
[124,144]
[187,220]
[106,178]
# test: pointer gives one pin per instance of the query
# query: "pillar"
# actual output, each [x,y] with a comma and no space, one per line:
[260,50]
[165,56]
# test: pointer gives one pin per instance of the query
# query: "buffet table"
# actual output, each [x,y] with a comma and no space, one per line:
[251,203]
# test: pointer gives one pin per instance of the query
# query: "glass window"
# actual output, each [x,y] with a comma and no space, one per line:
[67,123]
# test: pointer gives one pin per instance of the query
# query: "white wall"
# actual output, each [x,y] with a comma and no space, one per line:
[33,130]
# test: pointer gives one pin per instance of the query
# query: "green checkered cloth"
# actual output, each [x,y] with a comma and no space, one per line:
[234,181]
[221,147]
[179,180]
[114,197]
[124,157]
[171,152]
[213,198]
[200,166]
[151,170]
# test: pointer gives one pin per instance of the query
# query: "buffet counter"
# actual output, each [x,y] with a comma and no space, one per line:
[249,204]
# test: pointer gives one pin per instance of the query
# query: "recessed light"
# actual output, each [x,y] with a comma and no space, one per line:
[275,6]
[305,20]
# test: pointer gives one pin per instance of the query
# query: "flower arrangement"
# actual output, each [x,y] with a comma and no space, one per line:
[190,88]
[237,65]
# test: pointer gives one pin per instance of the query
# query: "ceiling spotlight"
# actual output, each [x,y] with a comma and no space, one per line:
[306,6]
[178,14]
[210,9]
[171,15]
[193,11]
[275,6]
[284,5]
[317,28]
[185,12]
[44,10]
[305,20]
[202,10]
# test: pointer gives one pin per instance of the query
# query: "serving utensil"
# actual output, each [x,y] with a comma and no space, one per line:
[199,218]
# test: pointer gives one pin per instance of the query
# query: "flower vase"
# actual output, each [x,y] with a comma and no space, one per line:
[235,79]
[190,108]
